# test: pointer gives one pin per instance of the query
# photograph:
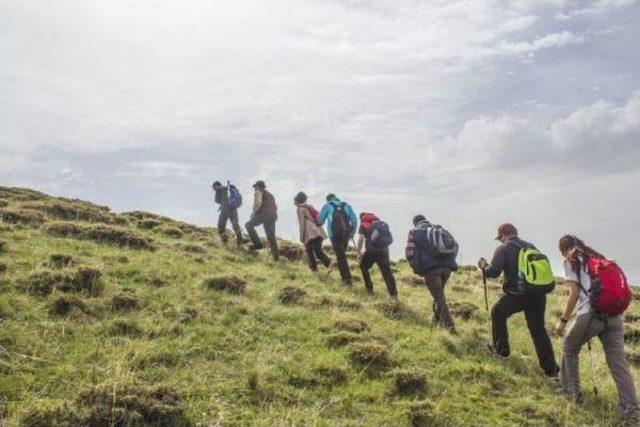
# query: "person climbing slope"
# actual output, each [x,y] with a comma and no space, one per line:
[431,251]
[520,295]
[265,212]
[583,267]
[229,200]
[342,224]
[376,237]
[311,233]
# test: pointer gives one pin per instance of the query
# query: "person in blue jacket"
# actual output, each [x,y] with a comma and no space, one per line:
[342,224]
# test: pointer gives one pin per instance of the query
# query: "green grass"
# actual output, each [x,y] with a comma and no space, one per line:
[165,335]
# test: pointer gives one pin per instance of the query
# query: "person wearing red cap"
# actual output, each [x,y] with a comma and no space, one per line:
[516,300]
[375,237]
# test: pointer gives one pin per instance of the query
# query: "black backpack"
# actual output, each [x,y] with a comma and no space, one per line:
[340,224]
[380,236]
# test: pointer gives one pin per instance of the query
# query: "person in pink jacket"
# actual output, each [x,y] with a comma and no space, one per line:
[311,234]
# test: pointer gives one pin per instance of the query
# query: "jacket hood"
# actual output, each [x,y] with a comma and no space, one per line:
[423,224]
[367,219]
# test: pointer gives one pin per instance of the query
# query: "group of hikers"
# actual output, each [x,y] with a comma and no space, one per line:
[598,289]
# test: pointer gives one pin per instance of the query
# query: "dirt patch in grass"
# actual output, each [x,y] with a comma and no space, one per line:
[351,325]
[124,302]
[464,310]
[412,280]
[231,284]
[373,358]
[62,261]
[341,339]
[290,251]
[64,305]
[410,382]
[423,413]
[291,295]
[99,233]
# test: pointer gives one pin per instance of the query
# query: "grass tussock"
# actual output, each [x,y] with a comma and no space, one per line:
[70,210]
[43,281]
[342,338]
[631,334]
[371,357]
[410,382]
[102,234]
[191,248]
[412,280]
[291,295]
[65,305]
[351,325]
[464,310]
[124,302]
[62,261]
[170,231]
[335,301]
[290,251]
[125,328]
[230,284]
[397,310]
[149,224]
[22,216]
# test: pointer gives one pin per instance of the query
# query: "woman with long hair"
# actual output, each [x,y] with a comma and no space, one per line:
[588,324]
[311,234]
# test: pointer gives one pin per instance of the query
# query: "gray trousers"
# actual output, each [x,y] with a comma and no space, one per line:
[435,281]
[611,335]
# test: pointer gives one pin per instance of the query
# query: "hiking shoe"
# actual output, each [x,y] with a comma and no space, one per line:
[254,248]
[492,351]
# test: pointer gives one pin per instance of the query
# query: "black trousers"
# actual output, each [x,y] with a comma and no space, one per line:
[382,259]
[340,248]
[269,230]
[534,307]
[229,214]
[314,251]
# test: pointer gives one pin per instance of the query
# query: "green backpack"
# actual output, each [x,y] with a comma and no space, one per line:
[535,275]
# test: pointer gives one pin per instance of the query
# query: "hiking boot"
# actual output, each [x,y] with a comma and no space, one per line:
[575,398]
[254,248]
[493,352]
[394,298]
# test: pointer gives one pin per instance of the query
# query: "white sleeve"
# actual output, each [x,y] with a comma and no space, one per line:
[569,274]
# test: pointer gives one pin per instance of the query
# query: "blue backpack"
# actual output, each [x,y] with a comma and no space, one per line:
[235,198]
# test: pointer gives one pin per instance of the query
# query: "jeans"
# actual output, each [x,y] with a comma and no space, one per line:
[313,249]
[436,280]
[340,248]
[611,335]
[382,259]
[534,307]
[229,214]
[269,229]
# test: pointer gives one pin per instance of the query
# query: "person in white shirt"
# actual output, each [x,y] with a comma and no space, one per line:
[588,324]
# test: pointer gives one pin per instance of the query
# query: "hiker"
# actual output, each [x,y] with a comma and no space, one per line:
[589,323]
[375,236]
[342,223]
[311,233]
[517,298]
[431,251]
[265,212]
[228,210]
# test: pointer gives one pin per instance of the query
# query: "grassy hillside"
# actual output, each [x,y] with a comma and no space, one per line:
[126,319]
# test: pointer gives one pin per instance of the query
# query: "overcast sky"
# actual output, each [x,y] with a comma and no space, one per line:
[471,112]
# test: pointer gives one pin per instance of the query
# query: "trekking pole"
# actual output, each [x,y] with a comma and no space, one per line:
[486,297]
[593,372]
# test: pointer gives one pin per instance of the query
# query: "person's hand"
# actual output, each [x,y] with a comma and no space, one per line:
[482,263]
[559,329]
[359,256]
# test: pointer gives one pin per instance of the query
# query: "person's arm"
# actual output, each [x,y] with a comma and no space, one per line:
[301,222]
[572,302]
[410,248]
[497,263]
[218,196]
[353,219]
[257,202]
[324,214]
[359,245]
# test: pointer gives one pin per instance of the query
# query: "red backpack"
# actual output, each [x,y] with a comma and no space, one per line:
[314,214]
[609,292]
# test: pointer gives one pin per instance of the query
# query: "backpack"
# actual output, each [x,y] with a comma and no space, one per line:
[314,214]
[609,292]
[426,255]
[380,236]
[340,224]
[441,241]
[235,198]
[535,275]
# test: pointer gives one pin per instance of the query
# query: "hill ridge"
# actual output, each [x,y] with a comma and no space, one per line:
[135,318]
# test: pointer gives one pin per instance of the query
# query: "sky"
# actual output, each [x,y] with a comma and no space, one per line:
[472,112]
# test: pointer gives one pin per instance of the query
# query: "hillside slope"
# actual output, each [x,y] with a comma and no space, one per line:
[127,319]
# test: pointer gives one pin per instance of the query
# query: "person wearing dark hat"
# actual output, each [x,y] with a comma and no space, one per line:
[265,212]
[227,213]
[515,300]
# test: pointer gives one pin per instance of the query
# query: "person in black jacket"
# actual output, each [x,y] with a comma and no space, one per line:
[436,270]
[227,213]
[264,212]
[516,300]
